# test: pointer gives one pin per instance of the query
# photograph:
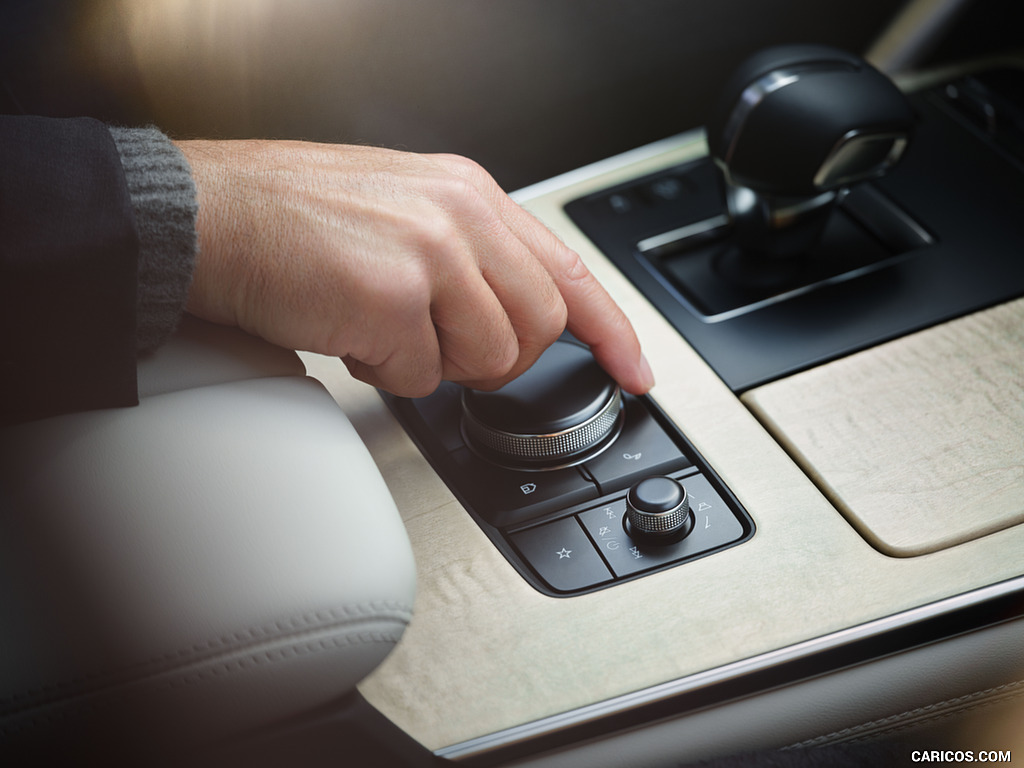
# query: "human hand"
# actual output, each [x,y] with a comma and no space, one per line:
[410,268]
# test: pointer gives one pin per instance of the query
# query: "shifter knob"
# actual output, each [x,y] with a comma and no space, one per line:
[794,125]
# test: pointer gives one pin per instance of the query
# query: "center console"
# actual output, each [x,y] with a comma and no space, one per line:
[832,213]
[579,485]
[850,412]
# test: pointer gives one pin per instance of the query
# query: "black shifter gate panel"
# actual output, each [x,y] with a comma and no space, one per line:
[937,238]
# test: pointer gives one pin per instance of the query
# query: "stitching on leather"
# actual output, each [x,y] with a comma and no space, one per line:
[234,642]
[910,718]
[219,669]
[278,654]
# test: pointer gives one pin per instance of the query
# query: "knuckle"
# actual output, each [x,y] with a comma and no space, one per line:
[464,185]
[409,373]
[554,318]
[435,239]
[573,269]
[548,317]
[466,200]
[460,165]
[401,294]
[493,355]
[501,358]
[420,386]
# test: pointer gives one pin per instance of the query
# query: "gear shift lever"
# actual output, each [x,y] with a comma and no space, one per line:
[795,125]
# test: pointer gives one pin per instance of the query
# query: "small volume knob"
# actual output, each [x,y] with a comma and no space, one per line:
[658,511]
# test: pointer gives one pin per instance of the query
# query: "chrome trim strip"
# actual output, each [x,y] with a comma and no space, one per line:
[826,173]
[780,297]
[784,212]
[705,227]
[912,225]
[588,173]
[751,97]
[729,672]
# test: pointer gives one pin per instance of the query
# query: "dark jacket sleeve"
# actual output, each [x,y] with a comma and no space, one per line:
[68,269]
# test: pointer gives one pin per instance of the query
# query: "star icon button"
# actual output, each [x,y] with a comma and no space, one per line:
[564,553]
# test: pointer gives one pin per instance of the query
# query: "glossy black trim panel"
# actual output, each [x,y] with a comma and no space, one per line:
[559,505]
[956,186]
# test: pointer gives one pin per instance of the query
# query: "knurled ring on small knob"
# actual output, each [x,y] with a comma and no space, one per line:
[658,511]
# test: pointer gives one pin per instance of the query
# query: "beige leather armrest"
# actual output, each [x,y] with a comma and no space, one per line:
[215,560]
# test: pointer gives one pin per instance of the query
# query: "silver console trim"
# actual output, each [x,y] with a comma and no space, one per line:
[707,227]
[830,174]
[573,445]
[481,745]
[587,173]
[750,99]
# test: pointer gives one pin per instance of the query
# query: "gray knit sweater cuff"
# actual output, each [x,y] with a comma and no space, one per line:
[164,197]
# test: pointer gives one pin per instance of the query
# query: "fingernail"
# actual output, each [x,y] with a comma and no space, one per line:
[646,374]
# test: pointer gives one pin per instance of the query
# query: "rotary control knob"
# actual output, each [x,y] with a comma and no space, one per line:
[562,411]
[658,511]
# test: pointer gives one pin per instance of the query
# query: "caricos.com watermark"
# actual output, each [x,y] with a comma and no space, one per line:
[960,756]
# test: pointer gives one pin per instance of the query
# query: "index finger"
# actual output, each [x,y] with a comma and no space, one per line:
[593,316]
[596,320]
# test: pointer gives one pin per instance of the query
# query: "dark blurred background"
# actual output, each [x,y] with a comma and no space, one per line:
[528,88]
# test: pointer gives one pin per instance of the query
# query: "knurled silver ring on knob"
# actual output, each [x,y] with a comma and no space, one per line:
[661,522]
[567,446]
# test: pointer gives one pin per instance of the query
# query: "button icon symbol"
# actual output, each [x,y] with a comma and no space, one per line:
[632,456]
[563,554]
[528,488]
[620,203]
[667,189]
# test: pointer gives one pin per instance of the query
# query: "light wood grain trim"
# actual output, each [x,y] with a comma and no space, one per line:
[920,442]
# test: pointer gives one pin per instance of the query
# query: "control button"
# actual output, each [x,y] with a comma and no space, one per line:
[620,203]
[642,449]
[506,497]
[658,511]
[562,555]
[714,526]
[973,103]
[624,555]
[605,526]
[667,189]
[562,410]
